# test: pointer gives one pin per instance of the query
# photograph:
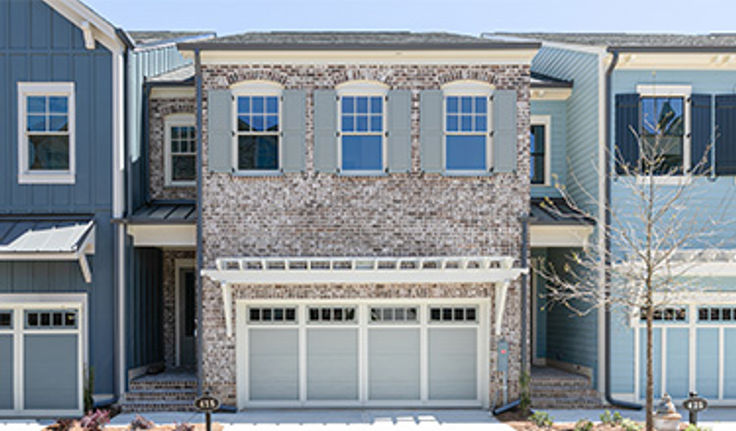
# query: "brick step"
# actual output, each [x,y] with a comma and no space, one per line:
[161,394]
[556,392]
[566,403]
[157,406]
[568,386]
[163,384]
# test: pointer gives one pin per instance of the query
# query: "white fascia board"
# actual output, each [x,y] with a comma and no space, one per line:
[171,92]
[433,57]
[560,235]
[89,22]
[151,235]
[676,61]
[550,93]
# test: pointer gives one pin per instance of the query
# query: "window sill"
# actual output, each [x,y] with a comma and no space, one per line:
[669,180]
[479,173]
[350,173]
[257,173]
[46,177]
[181,184]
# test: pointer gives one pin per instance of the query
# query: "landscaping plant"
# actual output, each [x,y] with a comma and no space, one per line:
[89,389]
[94,420]
[583,425]
[184,427]
[611,419]
[141,423]
[629,425]
[541,419]
[691,427]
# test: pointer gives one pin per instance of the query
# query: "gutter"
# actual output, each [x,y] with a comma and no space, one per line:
[296,46]
[200,173]
[607,257]
[524,288]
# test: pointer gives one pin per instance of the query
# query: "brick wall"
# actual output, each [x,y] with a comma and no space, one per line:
[159,110]
[169,303]
[310,214]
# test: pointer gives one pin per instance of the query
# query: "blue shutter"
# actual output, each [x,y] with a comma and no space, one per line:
[325,130]
[504,131]
[219,131]
[626,147]
[399,131]
[725,134]
[700,138]
[430,130]
[294,129]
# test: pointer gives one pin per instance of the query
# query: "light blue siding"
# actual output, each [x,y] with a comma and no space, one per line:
[656,361]
[678,364]
[557,112]
[707,362]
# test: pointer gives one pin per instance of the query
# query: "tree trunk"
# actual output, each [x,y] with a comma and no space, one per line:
[650,366]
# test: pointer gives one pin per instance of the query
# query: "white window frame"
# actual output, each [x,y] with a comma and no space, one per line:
[668,90]
[28,176]
[176,120]
[362,88]
[469,88]
[256,88]
[546,121]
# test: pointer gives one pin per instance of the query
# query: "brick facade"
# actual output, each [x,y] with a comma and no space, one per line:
[310,214]
[169,301]
[159,110]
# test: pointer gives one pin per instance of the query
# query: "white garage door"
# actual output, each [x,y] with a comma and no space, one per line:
[367,354]
[41,351]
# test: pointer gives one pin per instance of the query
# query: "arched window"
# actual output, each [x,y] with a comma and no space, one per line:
[362,127]
[258,126]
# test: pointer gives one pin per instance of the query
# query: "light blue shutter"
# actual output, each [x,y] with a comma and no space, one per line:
[325,130]
[219,131]
[504,131]
[399,131]
[294,129]
[430,130]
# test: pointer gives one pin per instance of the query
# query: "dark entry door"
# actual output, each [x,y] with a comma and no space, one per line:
[187,318]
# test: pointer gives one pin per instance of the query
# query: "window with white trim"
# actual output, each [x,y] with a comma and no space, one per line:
[46,135]
[181,150]
[362,127]
[467,123]
[539,147]
[258,127]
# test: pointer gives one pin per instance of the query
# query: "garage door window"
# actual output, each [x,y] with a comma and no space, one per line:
[394,315]
[453,314]
[717,314]
[271,315]
[50,319]
[6,319]
[332,315]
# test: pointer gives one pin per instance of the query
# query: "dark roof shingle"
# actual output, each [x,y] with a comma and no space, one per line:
[628,40]
[154,37]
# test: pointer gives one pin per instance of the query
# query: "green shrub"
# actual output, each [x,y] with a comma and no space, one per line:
[629,425]
[691,427]
[583,425]
[611,419]
[541,419]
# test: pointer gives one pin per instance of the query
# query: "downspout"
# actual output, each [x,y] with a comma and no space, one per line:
[198,88]
[607,240]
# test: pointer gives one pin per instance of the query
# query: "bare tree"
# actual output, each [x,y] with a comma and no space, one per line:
[654,235]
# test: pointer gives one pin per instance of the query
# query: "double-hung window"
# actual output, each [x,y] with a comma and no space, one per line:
[539,150]
[180,151]
[46,132]
[467,125]
[362,127]
[258,132]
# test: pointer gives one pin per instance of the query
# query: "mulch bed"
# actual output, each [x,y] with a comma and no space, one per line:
[519,422]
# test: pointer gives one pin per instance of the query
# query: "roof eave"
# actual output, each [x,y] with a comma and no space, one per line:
[223,46]
[671,49]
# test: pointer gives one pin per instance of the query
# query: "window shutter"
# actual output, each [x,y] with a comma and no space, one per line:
[626,151]
[430,130]
[219,130]
[399,131]
[700,138]
[726,134]
[504,131]
[294,130]
[325,130]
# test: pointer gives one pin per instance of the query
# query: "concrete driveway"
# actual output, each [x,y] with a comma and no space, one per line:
[338,419]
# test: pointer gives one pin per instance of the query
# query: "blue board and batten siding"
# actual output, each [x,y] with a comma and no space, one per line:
[579,155]
[37,44]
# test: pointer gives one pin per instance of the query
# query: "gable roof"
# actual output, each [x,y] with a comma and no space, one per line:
[631,41]
[158,37]
[352,40]
[90,22]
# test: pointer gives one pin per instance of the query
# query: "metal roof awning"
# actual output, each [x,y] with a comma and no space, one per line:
[163,223]
[26,239]
[363,270]
[553,223]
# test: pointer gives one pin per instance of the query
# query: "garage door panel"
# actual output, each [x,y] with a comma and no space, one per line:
[678,365]
[729,378]
[273,364]
[393,364]
[707,362]
[6,372]
[452,364]
[332,364]
[50,364]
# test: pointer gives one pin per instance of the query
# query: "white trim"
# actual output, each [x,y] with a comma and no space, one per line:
[170,92]
[677,61]
[603,58]
[28,176]
[363,88]
[82,16]
[482,328]
[662,90]
[550,93]
[466,87]
[256,88]
[167,235]
[560,235]
[172,120]
[20,302]
[546,121]
[179,264]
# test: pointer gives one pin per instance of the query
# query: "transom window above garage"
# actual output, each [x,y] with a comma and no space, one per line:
[666,314]
[394,314]
[717,314]
[332,314]
[6,319]
[50,319]
[453,314]
[271,314]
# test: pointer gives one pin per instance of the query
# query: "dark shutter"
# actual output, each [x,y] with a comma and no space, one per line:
[726,134]
[700,137]
[626,148]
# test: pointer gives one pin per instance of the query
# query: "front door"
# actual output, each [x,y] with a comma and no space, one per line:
[186,319]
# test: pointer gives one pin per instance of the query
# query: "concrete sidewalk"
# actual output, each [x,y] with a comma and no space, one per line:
[337,419]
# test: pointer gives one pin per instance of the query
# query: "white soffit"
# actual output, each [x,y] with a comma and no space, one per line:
[560,235]
[163,235]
